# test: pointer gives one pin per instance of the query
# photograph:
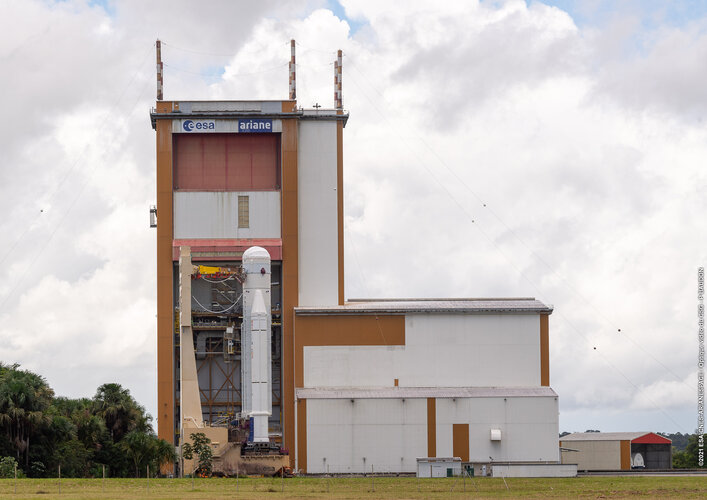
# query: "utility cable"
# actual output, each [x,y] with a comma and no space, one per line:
[60,184]
[566,283]
[496,246]
[211,75]
[199,52]
[539,258]
[63,217]
[309,49]
[364,282]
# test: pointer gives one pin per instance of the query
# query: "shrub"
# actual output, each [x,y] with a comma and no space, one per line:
[7,468]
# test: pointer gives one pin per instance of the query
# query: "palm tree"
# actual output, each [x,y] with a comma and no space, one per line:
[164,452]
[138,446]
[120,412]
[24,397]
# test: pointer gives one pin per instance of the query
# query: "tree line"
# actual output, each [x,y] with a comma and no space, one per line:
[40,432]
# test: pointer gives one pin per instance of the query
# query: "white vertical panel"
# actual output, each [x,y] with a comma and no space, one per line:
[441,350]
[529,427]
[202,214]
[317,206]
[389,433]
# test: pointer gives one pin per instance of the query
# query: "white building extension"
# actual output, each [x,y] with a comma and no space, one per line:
[384,383]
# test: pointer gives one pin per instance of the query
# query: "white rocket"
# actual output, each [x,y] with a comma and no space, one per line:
[256,363]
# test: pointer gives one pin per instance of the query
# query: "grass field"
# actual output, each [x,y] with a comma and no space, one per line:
[358,487]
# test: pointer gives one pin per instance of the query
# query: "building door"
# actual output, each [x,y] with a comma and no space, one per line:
[460,441]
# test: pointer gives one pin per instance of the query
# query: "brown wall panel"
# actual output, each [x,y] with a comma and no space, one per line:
[460,441]
[431,427]
[626,455]
[340,205]
[226,162]
[165,319]
[544,350]
[331,330]
[344,330]
[302,434]
[290,277]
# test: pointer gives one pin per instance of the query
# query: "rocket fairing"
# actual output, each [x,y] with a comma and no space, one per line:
[255,342]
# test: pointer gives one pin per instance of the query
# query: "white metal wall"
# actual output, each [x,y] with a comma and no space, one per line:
[214,214]
[529,428]
[392,433]
[534,470]
[350,437]
[317,205]
[593,455]
[441,350]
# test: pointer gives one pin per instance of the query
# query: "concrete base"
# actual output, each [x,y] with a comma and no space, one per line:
[228,460]
[534,470]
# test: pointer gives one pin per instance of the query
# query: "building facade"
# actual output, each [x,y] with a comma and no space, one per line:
[595,451]
[357,384]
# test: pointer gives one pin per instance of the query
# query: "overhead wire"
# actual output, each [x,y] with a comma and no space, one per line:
[492,241]
[199,52]
[191,72]
[365,283]
[236,75]
[534,254]
[310,49]
[62,219]
[57,186]
[566,283]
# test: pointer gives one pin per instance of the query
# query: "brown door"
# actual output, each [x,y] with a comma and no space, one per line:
[460,441]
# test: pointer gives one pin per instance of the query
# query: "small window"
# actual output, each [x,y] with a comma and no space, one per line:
[243,212]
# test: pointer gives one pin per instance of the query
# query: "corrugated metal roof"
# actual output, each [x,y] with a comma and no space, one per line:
[603,436]
[402,306]
[422,392]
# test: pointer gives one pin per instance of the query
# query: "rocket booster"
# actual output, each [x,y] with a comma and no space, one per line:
[256,371]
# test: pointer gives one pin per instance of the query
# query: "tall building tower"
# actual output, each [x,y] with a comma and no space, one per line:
[232,175]
[356,384]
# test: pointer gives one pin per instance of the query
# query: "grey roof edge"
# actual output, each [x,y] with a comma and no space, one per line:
[457,306]
[605,436]
[154,115]
[420,392]
[437,299]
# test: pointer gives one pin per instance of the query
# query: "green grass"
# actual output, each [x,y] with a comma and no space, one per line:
[358,488]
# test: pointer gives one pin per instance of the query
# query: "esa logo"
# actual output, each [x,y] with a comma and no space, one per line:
[198,126]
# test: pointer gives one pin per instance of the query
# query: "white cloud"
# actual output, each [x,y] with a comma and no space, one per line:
[516,148]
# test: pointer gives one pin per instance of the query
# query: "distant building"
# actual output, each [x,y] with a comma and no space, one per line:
[616,450]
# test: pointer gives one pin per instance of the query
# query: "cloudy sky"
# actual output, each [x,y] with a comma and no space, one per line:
[550,149]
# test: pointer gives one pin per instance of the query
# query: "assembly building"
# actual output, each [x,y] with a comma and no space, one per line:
[353,384]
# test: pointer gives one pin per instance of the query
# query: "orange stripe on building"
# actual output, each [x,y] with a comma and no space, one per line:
[544,350]
[340,203]
[334,330]
[302,434]
[348,330]
[165,312]
[460,441]
[626,455]
[290,274]
[431,427]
